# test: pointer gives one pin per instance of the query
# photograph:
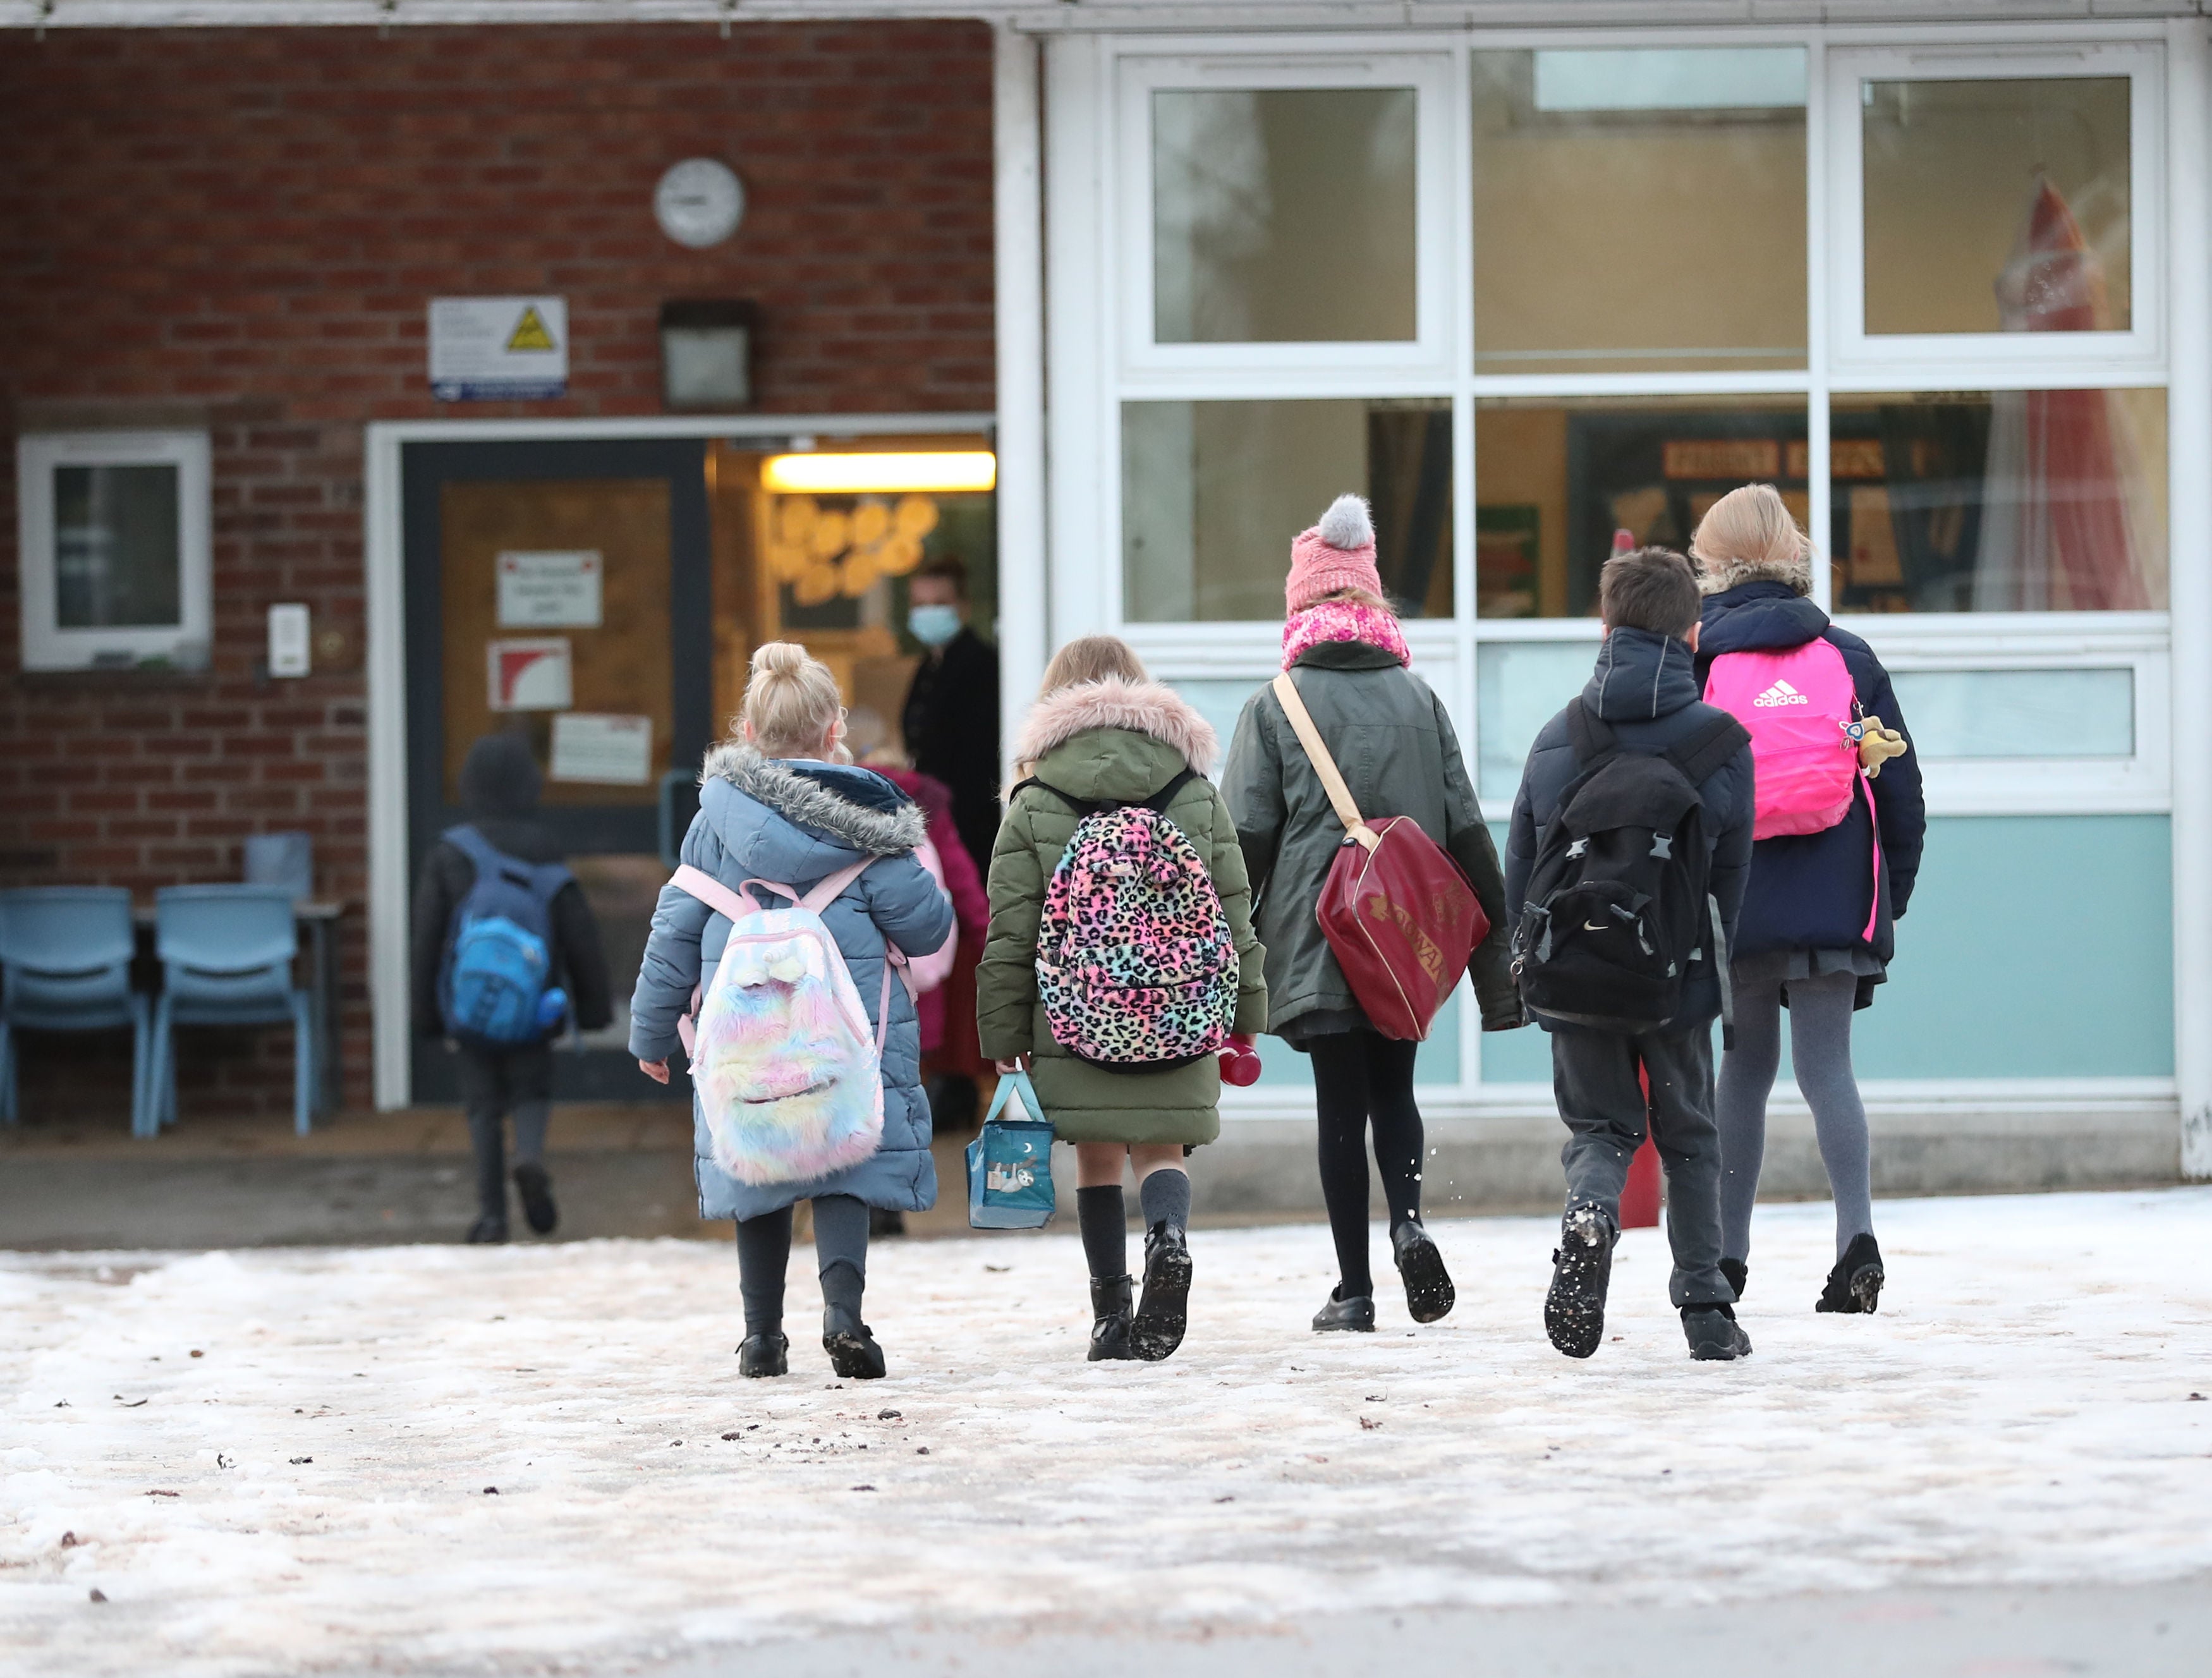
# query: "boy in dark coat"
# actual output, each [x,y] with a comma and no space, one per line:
[499,786]
[1645,689]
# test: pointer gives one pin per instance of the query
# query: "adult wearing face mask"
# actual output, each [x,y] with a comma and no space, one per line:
[951,718]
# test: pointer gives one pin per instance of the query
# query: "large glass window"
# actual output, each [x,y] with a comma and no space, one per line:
[1283,214]
[1212,492]
[1555,477]
[117,550]
[1997,205]
[1639,209]
[2012,500]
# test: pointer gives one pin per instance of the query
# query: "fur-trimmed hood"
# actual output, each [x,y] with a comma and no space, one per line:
[1717,576]
[1139,708]
[856,808]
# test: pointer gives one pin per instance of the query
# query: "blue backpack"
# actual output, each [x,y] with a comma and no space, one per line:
[499,956]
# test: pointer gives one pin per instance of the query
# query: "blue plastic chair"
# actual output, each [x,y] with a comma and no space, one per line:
[65,966]
[226,956]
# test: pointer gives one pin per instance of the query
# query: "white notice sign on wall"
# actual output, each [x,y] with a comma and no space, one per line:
[549,591]
[531,675]
[498,349]
[616,750]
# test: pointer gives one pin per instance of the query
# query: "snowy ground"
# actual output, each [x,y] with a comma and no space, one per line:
[282,1460]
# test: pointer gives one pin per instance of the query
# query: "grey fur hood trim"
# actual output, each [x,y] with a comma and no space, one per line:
[805,802]
[1717,576]
[1141,708]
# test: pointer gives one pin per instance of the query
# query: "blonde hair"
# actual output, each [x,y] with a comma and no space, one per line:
[1357,597]
[791,702]
[1749,535]
[1092,658]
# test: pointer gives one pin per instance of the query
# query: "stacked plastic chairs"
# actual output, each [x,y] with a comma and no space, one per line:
[226,956]
[65,966]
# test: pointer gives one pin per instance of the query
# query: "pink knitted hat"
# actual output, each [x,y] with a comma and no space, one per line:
[1339,552]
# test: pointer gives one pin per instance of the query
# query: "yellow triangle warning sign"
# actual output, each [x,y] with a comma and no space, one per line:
[530,332]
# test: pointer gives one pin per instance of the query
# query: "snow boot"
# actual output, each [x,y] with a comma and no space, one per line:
[763,1355]
[487,1232]
[1738,1272]
[1157,1330]
[1714,1333]
[1340,1316]
[1855,1285]
[852,1348]
[536,1187]
[1429,1291]
[885,1221]
[1582,1267]
[1110,1310]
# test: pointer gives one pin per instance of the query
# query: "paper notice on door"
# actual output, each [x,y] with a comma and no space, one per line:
[615,751]
[549,591]
[531,675]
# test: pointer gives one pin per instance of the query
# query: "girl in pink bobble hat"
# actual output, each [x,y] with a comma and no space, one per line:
[1334,591]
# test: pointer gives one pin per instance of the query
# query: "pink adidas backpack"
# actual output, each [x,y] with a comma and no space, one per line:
[1796,703]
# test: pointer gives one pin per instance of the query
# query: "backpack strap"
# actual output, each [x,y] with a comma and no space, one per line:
[697,883]
[1705,752]
[1080,806]
[1590,734]
[1159,801]
[1317,749]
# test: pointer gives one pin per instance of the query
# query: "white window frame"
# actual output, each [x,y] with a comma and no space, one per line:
[46,645]
[1997,359]
[1288,365]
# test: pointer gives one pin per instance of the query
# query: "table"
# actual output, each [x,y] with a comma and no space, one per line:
[319,917]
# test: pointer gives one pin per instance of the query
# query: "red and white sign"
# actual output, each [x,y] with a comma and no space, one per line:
[529,675]
[549,591]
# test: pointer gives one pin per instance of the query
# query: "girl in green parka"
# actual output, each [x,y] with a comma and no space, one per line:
[1103,730]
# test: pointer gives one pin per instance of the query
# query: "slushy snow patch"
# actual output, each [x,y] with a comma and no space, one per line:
[312,1491]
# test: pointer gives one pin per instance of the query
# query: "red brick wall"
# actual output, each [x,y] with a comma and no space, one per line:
[241,229]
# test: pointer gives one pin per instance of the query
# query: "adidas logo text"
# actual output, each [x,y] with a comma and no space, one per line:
[1781,694]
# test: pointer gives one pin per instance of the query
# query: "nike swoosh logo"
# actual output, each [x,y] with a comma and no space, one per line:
[1593,926]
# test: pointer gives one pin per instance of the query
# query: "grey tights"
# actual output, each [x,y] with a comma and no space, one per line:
[840,1252]
[1821,1055]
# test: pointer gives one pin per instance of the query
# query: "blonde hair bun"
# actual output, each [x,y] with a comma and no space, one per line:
[791,702]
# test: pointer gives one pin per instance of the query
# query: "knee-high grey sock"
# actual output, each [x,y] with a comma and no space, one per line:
[1164,1194]
[764,1256]
[840,1248]
[1740,1105]
[1820,1052]
[531,1118]
[1102,1218]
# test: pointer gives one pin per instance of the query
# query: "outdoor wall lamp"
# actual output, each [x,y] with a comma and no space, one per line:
[944,471]
[706,354]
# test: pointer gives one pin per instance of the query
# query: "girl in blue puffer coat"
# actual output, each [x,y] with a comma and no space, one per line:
[774,806]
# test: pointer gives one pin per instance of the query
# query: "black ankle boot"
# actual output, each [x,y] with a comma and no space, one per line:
[1354,1315]
[1429,1291]
[1157,1330]
[1582,1267]
[1855,1285]
[852,1348]
[764,1354]
[535,1185]
[486,1231]
[1109,1309]
[1713,1334]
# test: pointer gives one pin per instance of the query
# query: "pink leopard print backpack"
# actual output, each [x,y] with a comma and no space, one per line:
[1135,963]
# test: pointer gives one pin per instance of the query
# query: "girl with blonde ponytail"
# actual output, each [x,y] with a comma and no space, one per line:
[783,804]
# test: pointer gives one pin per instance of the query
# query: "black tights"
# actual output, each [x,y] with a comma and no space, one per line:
[1360,1078]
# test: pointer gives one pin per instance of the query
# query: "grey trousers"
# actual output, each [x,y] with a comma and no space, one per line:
[494,1083]
[1594,1078]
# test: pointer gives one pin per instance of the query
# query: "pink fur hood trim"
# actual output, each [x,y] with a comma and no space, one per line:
[1142,707]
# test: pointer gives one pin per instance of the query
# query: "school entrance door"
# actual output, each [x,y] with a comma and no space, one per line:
[562,591]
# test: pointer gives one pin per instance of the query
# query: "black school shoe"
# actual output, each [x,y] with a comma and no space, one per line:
[765,1355]
[1111,1313]
[1157,1330]
[1738,1272]
[1855,1285]
[1582,1267]
[536,1187]
[1713,1333]
[1340,1316]
[1429,1291]
[852,1346]
[487,1232]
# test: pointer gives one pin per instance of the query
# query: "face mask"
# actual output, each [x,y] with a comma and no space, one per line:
[933,626]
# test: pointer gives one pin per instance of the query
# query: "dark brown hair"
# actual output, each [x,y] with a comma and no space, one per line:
[1651,588]
[947,567]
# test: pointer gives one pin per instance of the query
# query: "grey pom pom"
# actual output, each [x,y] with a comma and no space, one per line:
[1345,525]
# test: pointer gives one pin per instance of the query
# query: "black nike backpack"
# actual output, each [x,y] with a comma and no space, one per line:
[1619,909]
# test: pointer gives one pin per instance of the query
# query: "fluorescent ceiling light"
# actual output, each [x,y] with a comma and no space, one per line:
[943,471]
[1718,78]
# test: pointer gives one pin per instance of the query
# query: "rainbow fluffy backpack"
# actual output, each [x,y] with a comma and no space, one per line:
[789,1075]
[1135,967]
